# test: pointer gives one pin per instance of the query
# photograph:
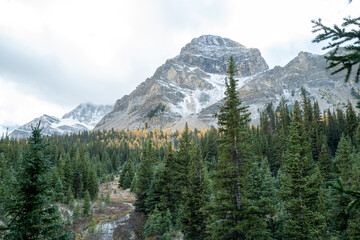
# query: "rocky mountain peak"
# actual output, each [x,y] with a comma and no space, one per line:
[184,85]
[88,113]
[305,61]
[83,118]
[210,45]
[211,53]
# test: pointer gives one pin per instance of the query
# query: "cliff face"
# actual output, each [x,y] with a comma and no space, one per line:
[184,85]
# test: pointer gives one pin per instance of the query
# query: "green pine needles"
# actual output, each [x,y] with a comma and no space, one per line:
[31,212]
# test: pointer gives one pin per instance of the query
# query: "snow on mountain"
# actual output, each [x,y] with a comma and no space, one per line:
[190,87]
[184,85]
[83,118]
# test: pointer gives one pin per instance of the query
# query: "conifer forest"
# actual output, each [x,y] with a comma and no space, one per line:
[294,176]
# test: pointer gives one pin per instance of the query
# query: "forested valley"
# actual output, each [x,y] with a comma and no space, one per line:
[284,179]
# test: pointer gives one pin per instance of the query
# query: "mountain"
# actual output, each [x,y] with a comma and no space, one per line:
[306,71]
[190,87]
[83,118]
[184,85]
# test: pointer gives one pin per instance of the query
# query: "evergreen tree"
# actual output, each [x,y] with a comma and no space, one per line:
[107,198]
[59,192]
[351,121]
[259,204]
[153,224]
[69,195]
[347,34]
[127,174]
[92,182]
[300,186]
[193,217]
[325,164]
[168,198]
[332,133]
[229,178]
[156,189]
[87,205]
[144,176]
[32,214]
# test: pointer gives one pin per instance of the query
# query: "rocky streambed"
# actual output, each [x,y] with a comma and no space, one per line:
[114,220]
[120,219]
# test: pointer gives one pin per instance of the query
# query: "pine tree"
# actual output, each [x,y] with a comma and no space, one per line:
[259,204]
[325,164]
[59,192]
[144,176]
[32,214]
[193,217]
[156,189]
[153,224]
[69,195]
[127,174]
[229,178]
[346,36]
[168,198]
[351,121]
[107,198]
[300,186]
[92,182]
[87,205]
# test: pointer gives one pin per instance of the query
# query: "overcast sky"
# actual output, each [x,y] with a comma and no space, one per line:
[56,54]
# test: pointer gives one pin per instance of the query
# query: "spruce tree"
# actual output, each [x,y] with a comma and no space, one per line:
[144,176]
[155,190]
[168,198]
[31,212]
[344,162]
[127,174]
[300,185]
[193,217]
[351,121]
[325,164]
[229,179]
[59,191]
[259,204]
[87,205]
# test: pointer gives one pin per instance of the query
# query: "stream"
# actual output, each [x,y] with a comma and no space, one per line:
[107,227]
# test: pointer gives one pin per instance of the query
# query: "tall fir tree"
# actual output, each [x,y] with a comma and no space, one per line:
[193,217]
[259,205]
[229,179]
[300,186]
[144,176]
[325,164]
[127,174]
[351,121]
[32,213]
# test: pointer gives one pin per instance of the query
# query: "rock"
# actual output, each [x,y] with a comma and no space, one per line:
[185,85]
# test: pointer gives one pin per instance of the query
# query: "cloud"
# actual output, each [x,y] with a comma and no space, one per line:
[61,53]
[16,104]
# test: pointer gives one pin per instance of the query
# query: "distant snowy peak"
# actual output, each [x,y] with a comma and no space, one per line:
[88,113]
[83,118]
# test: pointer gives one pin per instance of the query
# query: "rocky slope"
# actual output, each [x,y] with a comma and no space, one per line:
[184,85]
[306,71]
[190,87]
[83,118]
